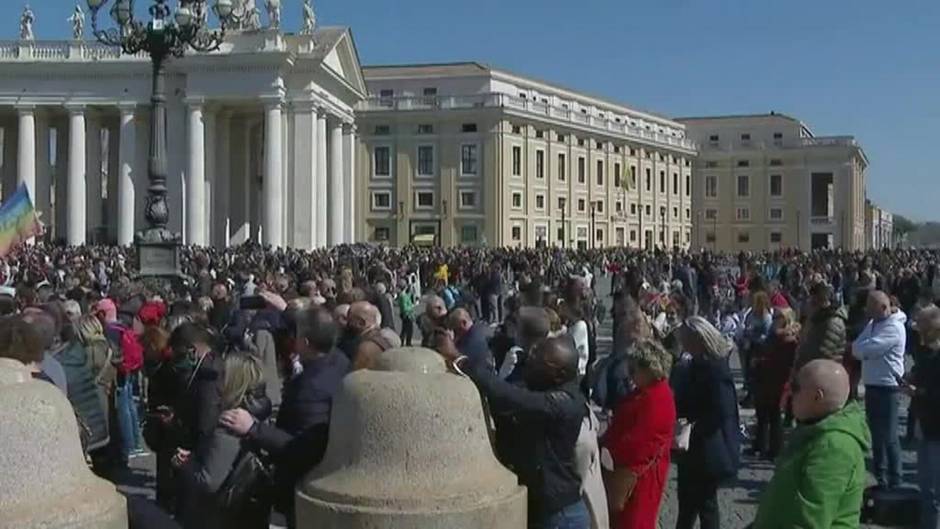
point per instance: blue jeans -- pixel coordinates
(574, 516)
(881, 408)
(928, 477)
(127, 417)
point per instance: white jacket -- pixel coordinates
(587, 460)
(881, 347)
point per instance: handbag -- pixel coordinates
(682, 436)
(621, 481)
(248, 478)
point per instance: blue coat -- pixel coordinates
(709, 401)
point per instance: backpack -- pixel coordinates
(609, 385)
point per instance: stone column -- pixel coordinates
(195, 220)
(114, 176)
(273, 193)
(349, 179)
(211, 236)
(223, 178)
(76, 176)
(93, 200)
(304, 161)
(126, 193)
(321, 179)
(61, 178)
(26, 152)
(337, 217)
(43, 197)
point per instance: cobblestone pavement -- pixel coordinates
(737, 503)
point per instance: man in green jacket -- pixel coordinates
(820, 476)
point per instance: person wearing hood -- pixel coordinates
(880, 347)
(820, 478)
(824, 334)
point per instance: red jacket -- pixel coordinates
(640, 437)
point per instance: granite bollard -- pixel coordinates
(44, 481)
(409, 448)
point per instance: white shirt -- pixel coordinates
(579, 333)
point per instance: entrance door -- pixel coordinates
(821, 241)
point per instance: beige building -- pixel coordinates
(766, 182)
(468, 154)
(879, 227)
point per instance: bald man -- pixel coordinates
(820, 478)
(548, 413)
(364, 322)
(880, 348)
(434, 317)
(470, 337)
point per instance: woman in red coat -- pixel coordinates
(640, 437)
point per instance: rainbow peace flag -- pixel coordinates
(18, 220)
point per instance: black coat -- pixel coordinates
(927, 382)
(709, 401)
(548, 423)
(200, 404)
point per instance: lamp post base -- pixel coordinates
(158, 253)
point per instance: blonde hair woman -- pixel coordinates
(100, 356)
(773, 364)
(215, 456)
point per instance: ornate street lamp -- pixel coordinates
(166, 35)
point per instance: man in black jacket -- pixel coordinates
(549, 411)
(298, 441)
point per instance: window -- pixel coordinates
(386, 93)
(539, 134)
(745, 137)
(744, 186)
(382, 130)
(776, 214)
(517, 160)
(744, 237)
(562, 202)
(710, 237)
(580, 142)
(776, 185)
(381, 162)
(649, 210)
(582, 205)
(711, 214)
(425, 129)
(632, 177)
(743, 214)
(541, 233)
(468, 199)
(778, 135)
(540, 164)
(382, 200)
(429, 92)
(381, 234)
(516, 129)
(776, 237)
(776, 162)
(632, 151)
(675, 213)
(426, 160)
(561, 235)
(688, 185)
(662, 181)
(711, 186)
(561, 138)
(649, 180)
(599, 235)
(662, 157)
(581, 165)
(675, 183)
(600, 145)
(711, 164)
(562, 167)
(599, 206)
(713, 138)
(540, 202)
(517, 233)
(386, 98)
(662, 213)
(468, 233)
(744, 163)
(633, 209)
(424, 199)
(688, 214)
(469, 127)
(617, 182)
(617, 147)
(517, 200)
(619, 207)
(468, 159)
(600, 173)
(632, 235)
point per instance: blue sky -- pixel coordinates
(863, 67)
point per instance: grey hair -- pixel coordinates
(716, 346)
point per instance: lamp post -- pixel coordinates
(166, 35)
(662, 227)
(593, 229)
(564, 229)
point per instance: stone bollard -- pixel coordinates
(409, 448)
(44, 481)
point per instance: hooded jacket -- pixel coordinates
(880, 347)
(820, 477)
(824, 337)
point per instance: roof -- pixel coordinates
(770, 114)
(471, 68)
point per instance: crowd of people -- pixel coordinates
(227, 374)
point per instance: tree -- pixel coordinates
(904, 225)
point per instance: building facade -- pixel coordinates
(879, 227)
(465, 154)
(261, 138)
(766, 182)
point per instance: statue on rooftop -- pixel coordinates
(78, 23)
(274, 13)
(310, 19)
(26, 23)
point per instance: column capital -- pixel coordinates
(128, 107)
(322, 112)
(195, 102)
(74, 108)
(25, 108)
(272, 101)
(349, 128)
